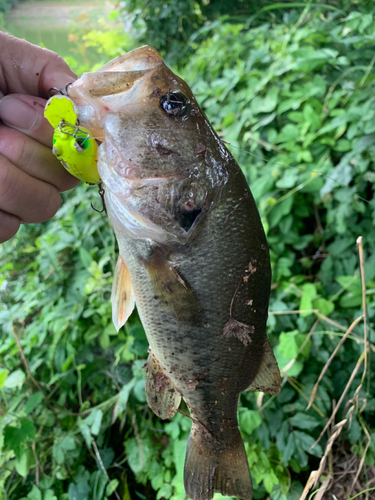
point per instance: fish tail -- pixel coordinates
(211, 468)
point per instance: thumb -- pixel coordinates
(28, 69)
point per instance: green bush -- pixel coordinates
(295, 100)
(6, 5)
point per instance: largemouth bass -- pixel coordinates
(193, 256)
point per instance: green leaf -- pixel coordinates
(60, 447)
(46, 482)
(311, 117)
(294, 369)
(49, 495)
(33, 402)
(99, 481)
(350, 300)
(79, 491)
(85, 257)
(266, 104)
(289, 133)
(249, 420)
(324, 306)
(303, 421)
(287, 104)
(85, 431)
(94, 420)
(270, 480)
(179, 451)
(173, 429)
(24, 463)
(288, 346)
(35, 494)
(305, 441)
(111, 487)
(124, 396)
(288, 451)
(14, 437)
(308, 295)
(164, 492)
(279, 210)
(139, 453)
(261, 186)
(3, 377)
(288, 179)
(104, 340)
(15, 380)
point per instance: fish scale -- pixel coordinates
(193, 255)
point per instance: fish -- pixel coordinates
(193, 256)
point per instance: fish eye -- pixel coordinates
(175, 104)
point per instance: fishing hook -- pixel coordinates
(59, 91)
(101, 193)
(66, 88)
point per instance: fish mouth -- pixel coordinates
(117, 83)
(120, 74)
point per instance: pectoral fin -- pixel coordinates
(122, 295)
(162, 397)
(172, 291)
(268, 378)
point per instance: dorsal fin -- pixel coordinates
(122, 297)
(268, 378)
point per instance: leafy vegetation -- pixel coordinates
(6, 5)
(294, 96)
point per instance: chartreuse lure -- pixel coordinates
(73, 145)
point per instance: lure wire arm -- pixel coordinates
(76, 129)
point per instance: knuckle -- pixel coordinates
(7, 180)
(13, 146)
(52, 203)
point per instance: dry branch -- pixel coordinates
(99, 458)
(325, 368)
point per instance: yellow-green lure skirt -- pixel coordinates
(73, 145)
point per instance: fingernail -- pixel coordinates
(17, 114)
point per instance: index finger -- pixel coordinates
(29, 69)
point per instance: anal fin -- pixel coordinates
(268, 378)
(162, 397)
(122, 297)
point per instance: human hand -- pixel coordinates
(30, 175)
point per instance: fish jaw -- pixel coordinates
(129, 102)
(124, 82)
